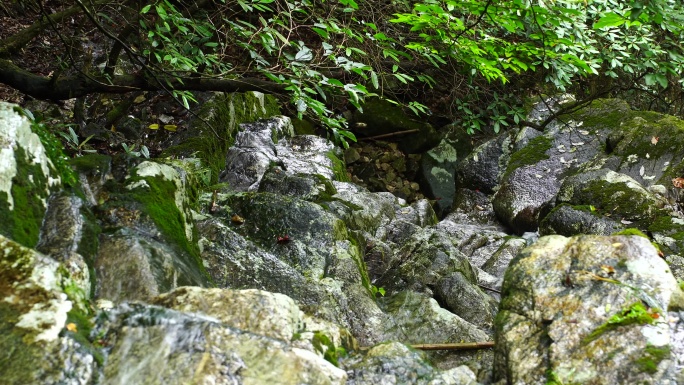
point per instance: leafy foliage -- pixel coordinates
(474, 61)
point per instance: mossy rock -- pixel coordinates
(27, 178)
(569, 220)
(211, 135)
(535, 151)
(612, 194)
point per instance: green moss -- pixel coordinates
(651, 357)
(635, 313)
(534, 152)
(324, 344)
(339, 167)
(158, 203)
(22, 222)
(620, 199)
(632, 231)
(54, 150)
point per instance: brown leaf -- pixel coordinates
(678, 182)
(238, 220)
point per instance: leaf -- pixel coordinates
(374, 80)
(654, 140)
(304, 54)
(153, 126)
(71, 327)
(611, 19)
(170, 127)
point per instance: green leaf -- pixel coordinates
(374, 80)
(610, 20)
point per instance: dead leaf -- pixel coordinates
(654, 140)
(238, 220)
(71, 327)
(610, 270)
(139, 99)
(678, 182)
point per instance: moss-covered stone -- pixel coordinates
(27, 178)
(210, 137)
(534, 152)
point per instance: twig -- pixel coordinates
(453, 346)
(456, 346)
(489, 288)
(390, 134)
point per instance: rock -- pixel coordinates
(532, 180)
(472, 207)
(368, 211)
(253, 153)
(313, 155)
(147, 213)
(151, 344)
(497, 264)
(210, 135)
(483, 167)
(400, 365)
(610, 193)
(33, 314)
(587, 309)
(437, 171)
(569, 220)
(69, 234)
(27, 178)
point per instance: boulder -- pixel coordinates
(39, 346)
(589, 309)
(152, 344)
(27, 177)
(437, 173)
(611, 193)
(569, 220)
(145, 210)
(394, 363)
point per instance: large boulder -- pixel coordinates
(588, 309)
(213, 130)
(27, 177)
(149, 235)
(34, 315)
(254, 342)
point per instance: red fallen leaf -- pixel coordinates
(654, 315)
(678, 182)
(283, 239)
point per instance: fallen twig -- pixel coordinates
(391, 134)
(455, 346)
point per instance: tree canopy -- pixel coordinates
(472, 61)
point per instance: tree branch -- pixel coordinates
(62, 88)
(17, 41)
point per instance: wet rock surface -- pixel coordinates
(307, 264)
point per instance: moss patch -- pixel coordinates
(22, 222)
(339, 167)
(651, 357)
(54, 152)
(617, 199)
(534, 152)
